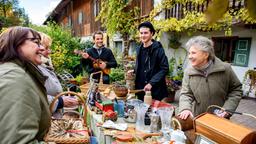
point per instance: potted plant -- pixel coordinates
(250, 80)
(80, 80)
(174, 79)
(117, 74)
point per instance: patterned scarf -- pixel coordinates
(204, 69)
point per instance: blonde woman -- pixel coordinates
(52, 83)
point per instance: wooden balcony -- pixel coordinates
(177, 11)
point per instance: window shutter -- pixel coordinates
(242, 52)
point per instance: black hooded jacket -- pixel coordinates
(155, 69)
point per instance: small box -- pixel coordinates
(105, 105)
(223, 131)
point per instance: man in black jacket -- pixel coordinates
(99, 52)
(151, 64)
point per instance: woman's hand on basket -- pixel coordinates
(70, 101)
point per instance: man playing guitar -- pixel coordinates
(99, 55)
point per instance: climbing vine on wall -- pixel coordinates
(118, 17)
(203, 21)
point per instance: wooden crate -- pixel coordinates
(223, 131)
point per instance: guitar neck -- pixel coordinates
(80, 52)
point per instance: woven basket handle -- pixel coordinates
(67, 93)
(101, 76)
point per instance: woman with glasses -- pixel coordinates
(24, 109)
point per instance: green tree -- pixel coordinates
(117, 16)
(63, 46)
(11, 14)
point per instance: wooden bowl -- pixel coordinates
(120, 91)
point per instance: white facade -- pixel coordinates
(237, 31)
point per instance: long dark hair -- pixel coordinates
(10, 41)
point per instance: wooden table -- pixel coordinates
(104, 136)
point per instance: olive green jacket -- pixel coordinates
(220, 87)
(24, 110)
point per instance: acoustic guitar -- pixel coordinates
(96, 62)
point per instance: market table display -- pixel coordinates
(108, 136)
(137, 121)
(142, 119)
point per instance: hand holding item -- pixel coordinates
(185, 114)
(148, 87)
(85, 55)
(70, 102)
(130, 72)
(221, 113)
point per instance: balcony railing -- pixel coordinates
(177, 10)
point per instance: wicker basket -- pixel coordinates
(69, 140)
(84, 88)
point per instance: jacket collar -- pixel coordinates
(154, 46)
(217, 66)
(33, 70)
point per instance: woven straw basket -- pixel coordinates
(69, 140)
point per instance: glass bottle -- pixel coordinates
(148, 98)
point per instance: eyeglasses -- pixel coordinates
(35, 40)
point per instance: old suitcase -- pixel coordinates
(223, 131)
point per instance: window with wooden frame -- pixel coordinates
(80, 17)
(69, 21)
(96, 7)
(242, 52)
(233, 50)
(119, 46)
(133, 46)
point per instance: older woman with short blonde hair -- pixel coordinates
(52, 83)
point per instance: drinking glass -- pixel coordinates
(165, 116)
(141, 110)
